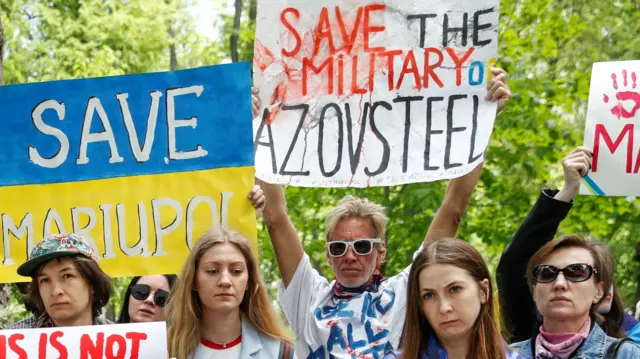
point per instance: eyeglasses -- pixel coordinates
(579, 272)
(142, 291)
(361, 247)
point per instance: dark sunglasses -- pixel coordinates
(579, 272)
(142, 291)
(361, 247)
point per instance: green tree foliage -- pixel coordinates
(546, 46)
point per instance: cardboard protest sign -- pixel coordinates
(613, 130)
(140, 165)
(372, 93)
(123, 341)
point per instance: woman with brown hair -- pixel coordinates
(520, 318)
(220, 307)
(565, 281)
(450, 311)
(67, 287)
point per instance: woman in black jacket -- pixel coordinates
(519, 314)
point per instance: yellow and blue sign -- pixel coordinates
(141, 165)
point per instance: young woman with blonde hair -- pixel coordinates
(220, 307)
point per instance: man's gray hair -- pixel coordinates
(355, 207)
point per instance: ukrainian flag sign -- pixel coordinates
(140, 165)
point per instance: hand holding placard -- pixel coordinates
(576, 165)
(498, 90)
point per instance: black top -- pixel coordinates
(518, 309)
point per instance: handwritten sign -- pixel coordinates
(123, 341)
(613, 130)
(372, 93)
(140, 165)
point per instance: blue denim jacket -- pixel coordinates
(634, 333)
(594, 347)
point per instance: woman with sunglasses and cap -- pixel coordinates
(146, 298)
(564, 278)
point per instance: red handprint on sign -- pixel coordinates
(625, 94)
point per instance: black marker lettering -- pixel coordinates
(450, 131)
(407, 127)
(429, 133)
(354, 156)
(270, 144)
(384, 163)
(423, 24)
(321, 139)
(446, 30)
(474, 130)
(305, 110)
(477, 27)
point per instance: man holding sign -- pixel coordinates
(360, 312)
(367, 94)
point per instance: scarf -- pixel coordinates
(342, 292)
(560, 345)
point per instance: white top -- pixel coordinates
(365, 326)
(205, 352)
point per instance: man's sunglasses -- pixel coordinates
(361, 247)
(142, 291)
(579, 272)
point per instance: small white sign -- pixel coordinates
(122, 341)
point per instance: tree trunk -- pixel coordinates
(173, 58)
(235, 34)
(5, 289)
(253, 11)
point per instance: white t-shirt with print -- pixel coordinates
(204, 352)
(362, 327)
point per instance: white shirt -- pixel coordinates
(365, 326)
(205, 352)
